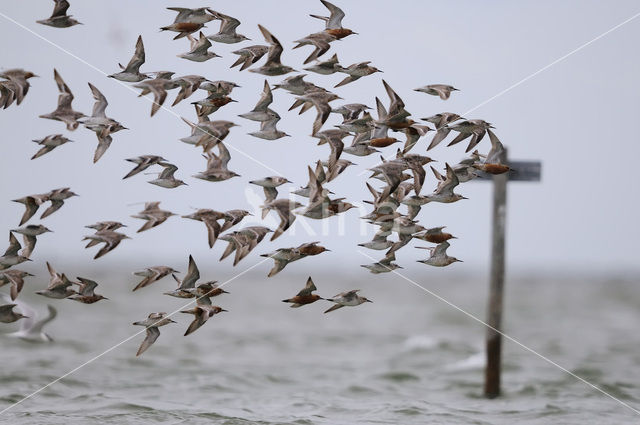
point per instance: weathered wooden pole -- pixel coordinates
(528, 171)
(496, 286)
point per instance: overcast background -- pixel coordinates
(578, 117)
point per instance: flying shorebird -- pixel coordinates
(350, 298)
(243, 242)
(110, 238)
(334, 21)
(31, 203)
(188, 21)
(49, 143)
(379, 242)
(86, 294)
(64, 111)
(442, 90)
(338, 168)
(131, 73)
(319, 40)
(284, 208)
(29, 234)
(227, 33)
(261, 111)
(217, 166)
(212, 103)
(233, 217)
(205, 291)
(269, 184)
(413, 134)
(268, 130)
(16, 86)
(101, 124)
(59, 17)
(272, 66)
(16, 279)
(187, 283)
(166, 178)
(11, 257)
(207, 134)
(434, 235)
(202, 313)
(249, 55)
(356, 71)
(158, 86)
(152, 323)
(106, 225)
(320, 177)
(210, 219)
(442, 119)
(142, 163)
(59, 285)
(444, 192)
(305, 296)
(298, 86)
(188, 85)
(438, 257)
(492, 164)
(320, 100)
(328, 67)
(153, 215)
(284, 256)
(383, 266)
(7, 315)
(153, 274)
(476, 129)
(31, 326)
(199, 50)
(57, 198)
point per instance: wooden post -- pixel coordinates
(524, 171)
(496, 286)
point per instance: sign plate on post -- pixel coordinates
(524, 171)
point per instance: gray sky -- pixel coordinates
(582, 216)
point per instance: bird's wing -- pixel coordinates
(496, 153)
(88, 286)
(266, 99)
(335, 307)
(168, 170)
(213, 230)
(192, 276)
(228, 24)
(152, 334)
(275, 50)
(101, 103)
(60, 8)
(335, 19)
(309, 288)
(37, 326)
(440, 250)
(277, 267)
(138, 57)
(201, 317)
(14, 246)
